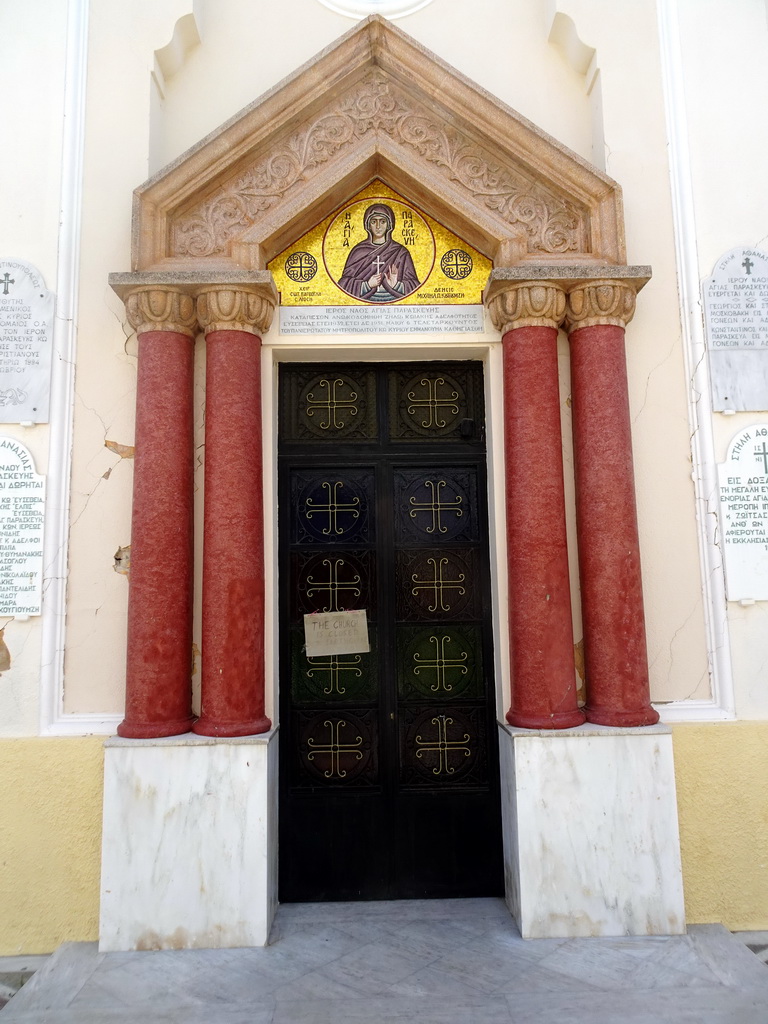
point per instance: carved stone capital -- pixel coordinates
(161, 308)
(235, 308)
(527, 304)
(593, 303)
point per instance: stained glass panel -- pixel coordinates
(332, 679)
(442, 662)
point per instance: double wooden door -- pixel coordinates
(389, 763)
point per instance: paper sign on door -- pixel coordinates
(336, 633)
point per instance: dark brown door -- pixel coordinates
(389, 764)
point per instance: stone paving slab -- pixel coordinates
(432, 961)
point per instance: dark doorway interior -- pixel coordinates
(389, 762)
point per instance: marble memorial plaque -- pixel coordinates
(22, 518)
(336, 633)
(380, 319)
(743, 481)
(26, 333)
(736, 320)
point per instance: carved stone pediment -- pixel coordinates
(376, 104)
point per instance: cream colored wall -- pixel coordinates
(260, 44)
(724, 49)
(30, 182)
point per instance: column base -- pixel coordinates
(154, 730)
(601, 803)
(211, 727)
(561, 720)
(189, 848)
(623, 719)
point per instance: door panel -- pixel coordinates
(389, 776)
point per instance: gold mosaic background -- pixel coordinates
(450, 271)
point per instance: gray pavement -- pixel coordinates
(432, 961)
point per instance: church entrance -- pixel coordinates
(389, 784)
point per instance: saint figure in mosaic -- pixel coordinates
(379, 269)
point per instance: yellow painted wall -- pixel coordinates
(50, 842)
(721, 771)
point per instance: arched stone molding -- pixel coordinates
(376, 104)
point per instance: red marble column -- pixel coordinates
(615, 654)
(158, 698)
(542, 667)
(233, 545)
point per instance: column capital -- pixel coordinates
(161, 308)
(534, 303)
(599, 302)
(225, 307)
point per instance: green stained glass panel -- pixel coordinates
(332, 679)
(439, 663)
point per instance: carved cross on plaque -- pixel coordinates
(748, 264)
(762, 453)
(6, 281)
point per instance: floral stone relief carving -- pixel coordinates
(551, 223)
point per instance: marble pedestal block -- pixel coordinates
(189, 850)
(591, 842)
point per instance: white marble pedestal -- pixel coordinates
(591, 842)
(189, 850)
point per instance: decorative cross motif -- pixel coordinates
(333, 585)
(6, 281)
(443, 746)
(748, 264)
(301, 266)
(436, 507)
(762, 454)
(456, 264)
(438, 584)
(333, 507)
(335, 747)
(334, 666)
(433, 403)
(440, 663)
(378, 263)
(332, 404)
